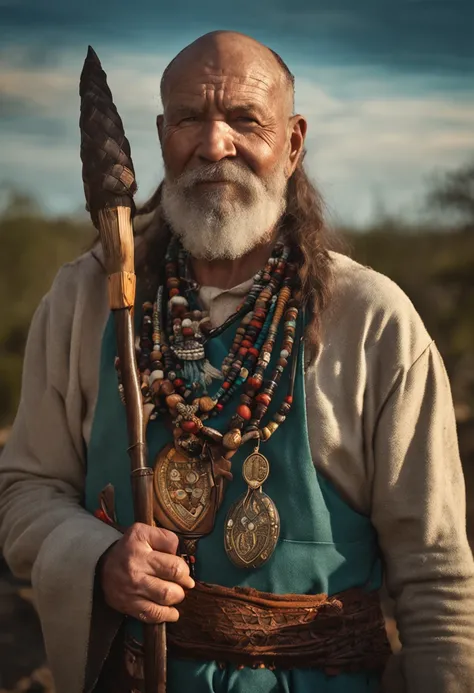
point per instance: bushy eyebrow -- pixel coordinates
(183, 110)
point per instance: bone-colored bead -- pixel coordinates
(232, 439)
(156, 375)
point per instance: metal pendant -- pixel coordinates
(184, 491)
(252, 525)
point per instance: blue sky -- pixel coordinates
(387, 87)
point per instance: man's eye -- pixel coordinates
(246, 119)
(188, 119)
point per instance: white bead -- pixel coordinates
(266, 357)
(244, 373)
(156, 375)
(284, 354)
(178, 301)
(156, 347)
(186, 322)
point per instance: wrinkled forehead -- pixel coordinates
(239, 73)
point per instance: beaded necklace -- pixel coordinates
(175, 376)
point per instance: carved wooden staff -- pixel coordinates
(109, 185)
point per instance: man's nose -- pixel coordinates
(216, 141)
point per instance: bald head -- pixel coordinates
(219, 51)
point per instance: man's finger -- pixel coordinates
(157, 538)
(149, 612)
(159, 591)
(172, 568)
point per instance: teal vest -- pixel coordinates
(324, 545)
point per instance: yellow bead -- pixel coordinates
(265, 433)
(206, 404)
(272, 426)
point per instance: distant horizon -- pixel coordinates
(387, 91)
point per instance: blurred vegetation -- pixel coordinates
(434, 265)
(32, 248)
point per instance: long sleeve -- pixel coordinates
(45, 533)
(418, 509)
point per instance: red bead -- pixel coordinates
(189, 426)
(178, 382)
(219, 406)
(254, 383)
(289, 399)
(174, 292)
(246, 343)
(242, 351)
(263, 398)
(244, 412)
(253, 351)
(256, 323)
(101, 515)
(226, 385)
(188, 332)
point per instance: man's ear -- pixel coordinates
(159, 126)
(298, 127)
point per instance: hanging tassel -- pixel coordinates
(200, 372)
(188, 373)
(211, 373)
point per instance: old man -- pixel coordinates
(291, 473)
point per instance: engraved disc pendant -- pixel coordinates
(252, 525)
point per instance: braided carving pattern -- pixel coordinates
(107, 168)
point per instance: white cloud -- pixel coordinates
(364, 138)
(366, 147)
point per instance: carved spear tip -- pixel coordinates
(92, 55)
(107, 172)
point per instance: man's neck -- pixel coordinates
(224, 274)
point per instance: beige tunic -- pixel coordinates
(381, 428)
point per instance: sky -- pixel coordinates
(386, 86)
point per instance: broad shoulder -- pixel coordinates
(365, 286)
(78, 291)
(79, 275)
(372, 309)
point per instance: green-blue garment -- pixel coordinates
(324, 546)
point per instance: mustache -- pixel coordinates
(229, 171)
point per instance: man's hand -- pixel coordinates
(141, 576)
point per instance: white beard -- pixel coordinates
(228, 221)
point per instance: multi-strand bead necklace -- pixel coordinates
(171, 348)
(175, 377)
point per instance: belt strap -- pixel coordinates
(341, 633)
(344, 632)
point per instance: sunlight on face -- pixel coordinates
(225, 141)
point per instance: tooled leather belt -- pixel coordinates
(341, 633)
